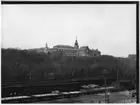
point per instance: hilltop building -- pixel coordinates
(68, 50)
(132, 56)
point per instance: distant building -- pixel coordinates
(73, 51)
(132, 56)
(68, 50)
(38, 50)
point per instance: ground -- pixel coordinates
(117, 97)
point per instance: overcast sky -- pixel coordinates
(108, 28)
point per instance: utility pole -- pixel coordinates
(105, 88)
(85, 68)
(118, 79)
(133, 80)
(72, 54)
(105, 72)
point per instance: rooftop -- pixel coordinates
(63, 46)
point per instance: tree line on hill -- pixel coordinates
(26, 67)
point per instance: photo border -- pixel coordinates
(96, 2)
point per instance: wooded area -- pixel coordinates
(23, 66)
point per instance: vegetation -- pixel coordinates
(26, 67)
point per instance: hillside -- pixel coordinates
(23, 66)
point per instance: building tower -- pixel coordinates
(76, 46)
(46, 47)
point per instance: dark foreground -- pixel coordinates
(116, 97)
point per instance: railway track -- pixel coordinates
(53, 96)
(18, 89)
(52, 82)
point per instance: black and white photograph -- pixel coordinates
(69, 52)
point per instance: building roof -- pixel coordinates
(133, 56)
(84, 48)
(34, 49)
(63, 46)
(37, 49)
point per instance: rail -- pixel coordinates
(52, 82)
(53, 96)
